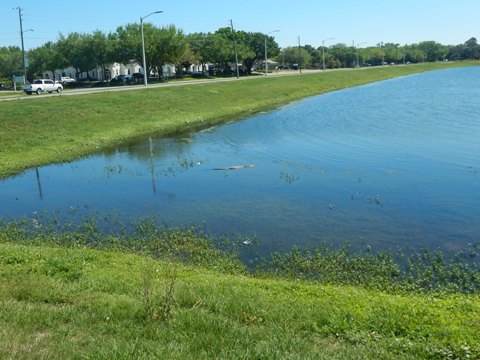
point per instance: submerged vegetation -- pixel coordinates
(422, 271)
(75, 292)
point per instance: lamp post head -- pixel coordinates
(154, 12)
(323, 41)
(271, 32)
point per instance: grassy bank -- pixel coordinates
(80, 303)
(47, 130)
(177, 294)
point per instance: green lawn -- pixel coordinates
(47, 130)
(79, 303)
(9, 93)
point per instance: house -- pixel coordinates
(110, 72)
(272, 65)
(98, 74)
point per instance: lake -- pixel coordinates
(393, 164)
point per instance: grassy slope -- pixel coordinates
(45, 130)
(58, 303)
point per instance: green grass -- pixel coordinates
(48, 130)
(173, 294)
(78, 303)
(8, 93)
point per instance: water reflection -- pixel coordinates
(393, 164)
(39, 184)
(152, 166)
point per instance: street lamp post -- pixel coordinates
(323, 51)
(145, 75)
(266, 61)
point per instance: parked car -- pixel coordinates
(138, 76)
(124, 78)
(41, 85)
(67, 80)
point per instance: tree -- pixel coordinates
(169, 45)
(316, 58)
(456, 52)
(203, 46)
(375, 55)
(345, 55)
(218, 47)
(10, 61)
(103, 50)
(187, 59)
(76, 49)
(471, 49)
(45, 57)
(224, 46)
(432, 51)
(293, 56)
(162, 45)
(390, 53)
(128, 44)
(255, 44)
(413, 54)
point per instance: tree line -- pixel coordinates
(170, 45)
(163, 45)
(342, 55)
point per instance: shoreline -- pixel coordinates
(48, 130)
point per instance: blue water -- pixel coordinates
(393, 164)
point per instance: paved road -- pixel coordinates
(20, 96)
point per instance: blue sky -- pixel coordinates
(363, 21)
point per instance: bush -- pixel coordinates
(5, 84)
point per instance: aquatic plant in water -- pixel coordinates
(425, 270)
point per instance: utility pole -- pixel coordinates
(383, 54)
(235, 45)
(299, 64)
(23, 48)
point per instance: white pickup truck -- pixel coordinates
(41, 85)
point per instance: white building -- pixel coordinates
(110, 72)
